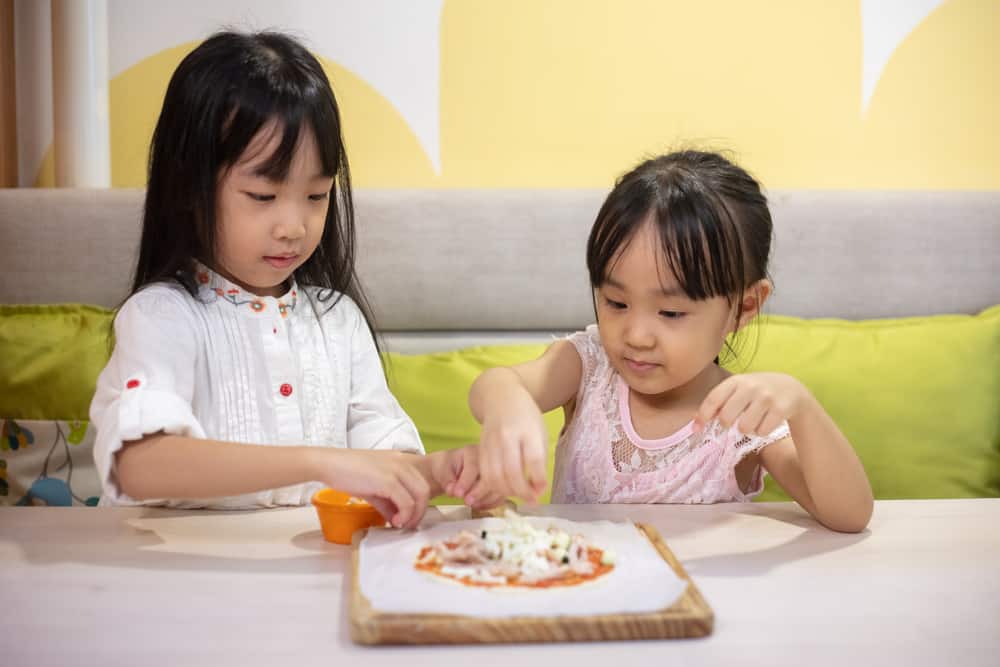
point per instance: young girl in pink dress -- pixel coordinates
(678, 262)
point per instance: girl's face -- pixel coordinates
(267, 229)
(662, 343)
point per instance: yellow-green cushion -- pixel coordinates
(919, 397)
(50, 357)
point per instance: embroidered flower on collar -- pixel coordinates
(236, 295)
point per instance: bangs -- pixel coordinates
(700, 242)
(699, 239)
(288, 113)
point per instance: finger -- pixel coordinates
(489, 501)
(419, 490)
(480, 490)
(534, 454)
(769, 423)
(749, 421)
(734, 406)
(710, 407)
(489, 462)
(513, 472)
(403, 501)
(498, 480)
(383, 506)
(468, 475)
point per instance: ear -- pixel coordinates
(753, 300)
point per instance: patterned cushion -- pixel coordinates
(47, 463)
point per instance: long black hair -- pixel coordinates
(219, 97)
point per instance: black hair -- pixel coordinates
(711, 217)
(220, 96)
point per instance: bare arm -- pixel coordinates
(509, 403)
(817, 465)
(819, 469)
(173, 466)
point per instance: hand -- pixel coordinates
(456, 472)
(756, 403)
(513, 453)
(391, 481)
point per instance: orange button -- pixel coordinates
(286, 389)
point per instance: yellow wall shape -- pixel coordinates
(569, 94)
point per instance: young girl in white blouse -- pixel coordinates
(244, 371)
(678, 260)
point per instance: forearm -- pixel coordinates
(833, 474)
(497, 389)
(171, 466)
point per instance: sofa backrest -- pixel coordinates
(465, 266)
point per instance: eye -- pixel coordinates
(259, 196)
(671, 314)
(319, 196)
(616, 305)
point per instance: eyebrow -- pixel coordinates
(256, 172)
(673, 291)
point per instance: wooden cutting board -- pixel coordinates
(689, 616)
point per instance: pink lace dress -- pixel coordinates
(601, 459)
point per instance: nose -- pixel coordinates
(290, 223)
(637, 333)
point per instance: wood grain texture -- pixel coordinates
(8, 100)
(689, 616)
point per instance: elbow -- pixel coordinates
(129, 475)
(854, 521)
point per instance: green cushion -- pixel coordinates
(919, 397)
(50, 357)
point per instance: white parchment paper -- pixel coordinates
(641, 580)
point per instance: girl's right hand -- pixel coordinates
(389, 480)
(514, 449)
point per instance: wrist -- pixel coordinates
(426, 465)
(320, 465)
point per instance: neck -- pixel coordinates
(688, 395)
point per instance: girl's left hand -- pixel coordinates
(756, 403)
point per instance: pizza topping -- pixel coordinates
(517, 553)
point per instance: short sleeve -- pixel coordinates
(588, 346)
(375, 420)
(148, 384)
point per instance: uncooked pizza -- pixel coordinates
(516, 554)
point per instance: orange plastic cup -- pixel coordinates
(339, 518)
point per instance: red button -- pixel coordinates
(286, 390)
(132, 384)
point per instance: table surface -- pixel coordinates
(162, 587)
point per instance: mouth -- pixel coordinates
(281, 261)
(638, 366)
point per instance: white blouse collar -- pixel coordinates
(212, 285)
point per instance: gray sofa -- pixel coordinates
(448, 268)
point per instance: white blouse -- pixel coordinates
(231, 365)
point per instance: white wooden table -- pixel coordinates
(156, 587)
